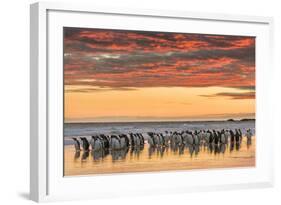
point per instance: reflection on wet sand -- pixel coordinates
(159, 158)
(120, 154)
(249, 142)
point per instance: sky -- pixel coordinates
(115, 75)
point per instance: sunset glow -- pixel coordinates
(113, 75)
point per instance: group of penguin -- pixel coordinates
(193, 138)
(201, 137)
(113, 142)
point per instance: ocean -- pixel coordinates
(89, 129)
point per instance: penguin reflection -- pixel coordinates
(231, 146)
(174, 147)
(181, 149)
(210, 148)
(237, 146)
(222, 148)
(135, 151)
(76, 155)
(99, 154)
(216, 149)
(124, 152)
(190, 149)
(160, 151)
(119, 154)
(151, 151)
(249, 142)
(85, 155)
(196, 149)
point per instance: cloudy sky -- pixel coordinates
(113, 75)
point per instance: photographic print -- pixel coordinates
(149, 101)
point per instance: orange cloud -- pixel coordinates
(123, 59)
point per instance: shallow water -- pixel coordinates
(159, 159)
(89, 129)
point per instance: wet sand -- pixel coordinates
(148, 160)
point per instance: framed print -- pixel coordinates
(126, 97)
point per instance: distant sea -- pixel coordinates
(89, 129)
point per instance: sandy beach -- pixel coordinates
(147, 160)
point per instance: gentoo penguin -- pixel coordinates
(216, 137)
(232, 136)
(249, 134)
(85, 143)
(211, 138)
(127, 141)
(240, 132)
(115, 142)
(142, 139)
(151, 140)
(105, 141)
(76, 144)
(96, 143)
(132, 139)
(237, 136)
(240, 135)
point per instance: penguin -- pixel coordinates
(220, 136)
(237, 136)
(249, 135)
(240, 132)
(151, 141)
(211, 139)
(216, 137)
(196, 140)
(223, 139)
(85, 143)
(232, 136)
(141, 139)
(76, 144)
(240, 135)
(132, 139)
(105, 141)
(127, 140)
(97, 143)
(163, 139)
(115, 142)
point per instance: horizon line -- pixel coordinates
(169, 120)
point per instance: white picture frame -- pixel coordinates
(46, 180)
